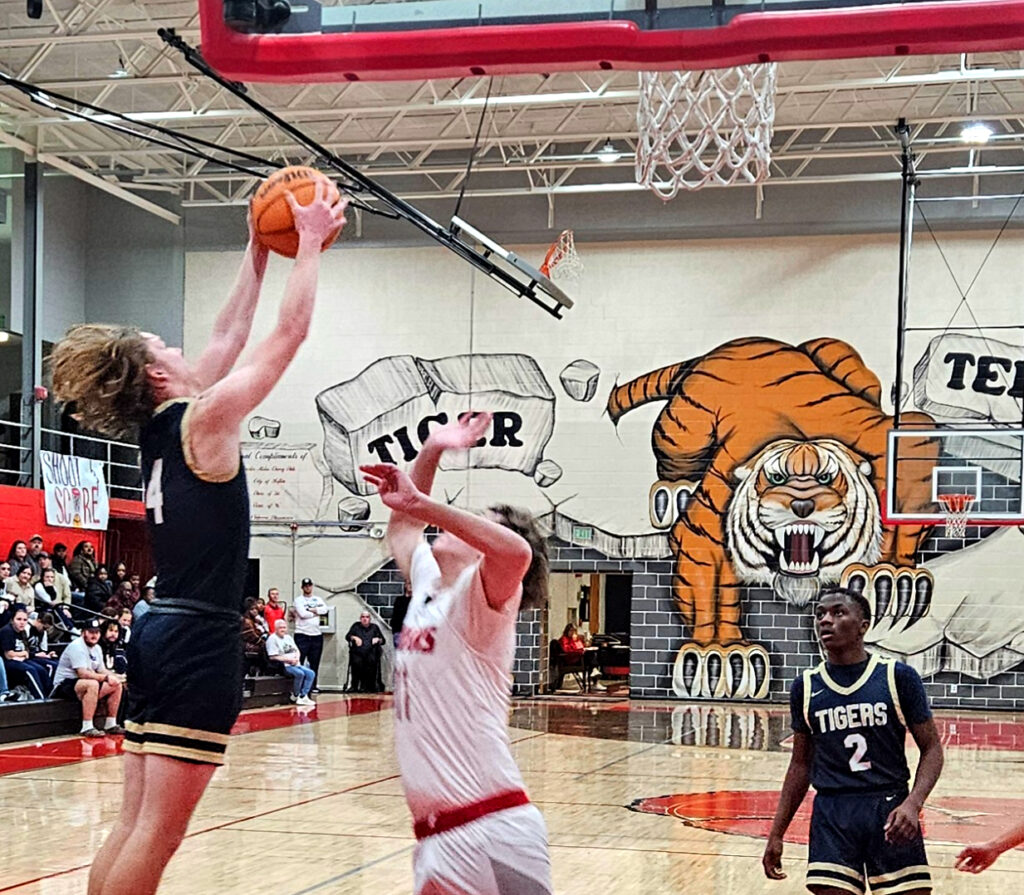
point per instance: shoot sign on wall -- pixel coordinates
(76, 491)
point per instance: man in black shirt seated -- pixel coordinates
(365, 642)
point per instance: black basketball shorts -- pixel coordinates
(185, 673)
(848, 851)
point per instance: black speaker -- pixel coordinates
(34, 8)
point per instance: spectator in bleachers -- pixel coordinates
(99, 590)
(113, 649)
(5, 570)
(136, 582)
(19, 664)
(19, 587)
(81, 675)
(60, 581)
(6, 606)
(125, 620)
(123, 595)
(56, 635)
(252, 637)
(120, 574)
(274, 609)
(83, 565)
(39, 645)
(281, 649)
(142, 607)
(16, 555)
(49, 599)
(365, 644)
(59, 554)
(260, 619)
(35, 550)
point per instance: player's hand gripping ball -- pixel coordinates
(271, 214)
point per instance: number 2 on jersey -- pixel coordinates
(859, 745)
(155, 492)
(402, 695)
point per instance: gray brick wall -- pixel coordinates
(657, 631)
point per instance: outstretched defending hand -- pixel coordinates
(318, 220)
(976, 858)
(461, 434)
(394, 486)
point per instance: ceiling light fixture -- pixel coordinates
(608, 154)
(977, 133)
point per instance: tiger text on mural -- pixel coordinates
(970, 377)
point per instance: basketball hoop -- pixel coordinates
(562, 262)
(957, 508)
(702, 128)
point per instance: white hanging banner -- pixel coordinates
(76, 491)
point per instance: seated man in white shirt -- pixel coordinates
(82, 675)
(281, 648)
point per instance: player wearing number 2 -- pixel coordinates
(185, 662)
(850, 717)
(478, 833)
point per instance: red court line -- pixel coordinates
(72, 750)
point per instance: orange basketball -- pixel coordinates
(272, 215)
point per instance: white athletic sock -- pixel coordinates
(109, 722)
(86, 724)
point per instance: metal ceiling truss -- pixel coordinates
(540, 134)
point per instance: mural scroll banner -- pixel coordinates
(75, 491)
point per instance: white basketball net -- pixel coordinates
(699, 128)
(563, 261)
(957, 508)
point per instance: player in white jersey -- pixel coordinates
(478, 833)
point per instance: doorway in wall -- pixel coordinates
(597, 606)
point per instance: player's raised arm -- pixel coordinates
(219, 410)
(794, 788)
(404, 531)
(507, 555)
(234, 322)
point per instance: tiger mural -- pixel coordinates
(775, 456)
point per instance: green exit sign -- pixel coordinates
(582, 533)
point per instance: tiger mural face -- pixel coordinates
(802, 512)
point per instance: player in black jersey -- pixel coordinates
(850, 718)
(185, 666)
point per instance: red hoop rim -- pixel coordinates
(987, 521)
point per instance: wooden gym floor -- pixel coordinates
(311, 802)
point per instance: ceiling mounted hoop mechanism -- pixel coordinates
(705, 128)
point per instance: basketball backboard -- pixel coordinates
(417, 39)
(927, 465)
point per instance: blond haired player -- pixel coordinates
(185, 662)
(478, 833)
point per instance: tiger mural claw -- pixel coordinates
(770, 459)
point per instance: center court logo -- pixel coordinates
(955, 820)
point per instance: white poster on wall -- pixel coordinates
(76, 491)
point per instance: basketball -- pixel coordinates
(272, 215)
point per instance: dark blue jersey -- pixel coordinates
(857, 717)
(199, 527)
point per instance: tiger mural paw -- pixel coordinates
(737, 671)
(900, 596)
(668, 501)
